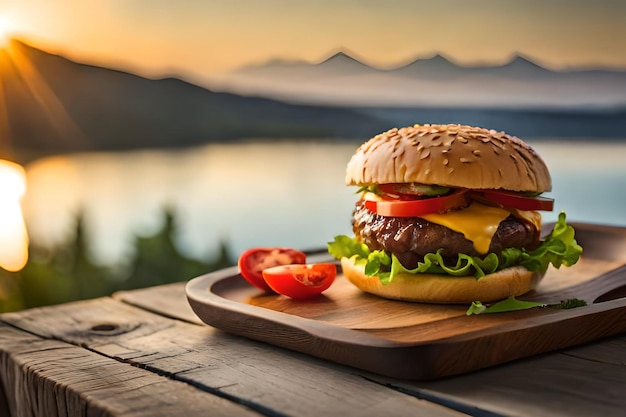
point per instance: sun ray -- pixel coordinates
(18, 68)
(22, 86)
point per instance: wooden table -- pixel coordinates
(145, 353)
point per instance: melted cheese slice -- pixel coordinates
(532, 217)
(479, 222)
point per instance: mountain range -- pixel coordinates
(342, 79)
(56, 105)
(52, 104)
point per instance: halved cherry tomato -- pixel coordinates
(300, 281)
(419, 207)
(515, 200)
(253, 261)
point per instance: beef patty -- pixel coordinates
(410, 238)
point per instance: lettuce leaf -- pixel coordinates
(558, 249)
(506, 305)
(513, 304)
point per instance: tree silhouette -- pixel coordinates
(66, 272)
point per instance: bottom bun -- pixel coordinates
(445, 289)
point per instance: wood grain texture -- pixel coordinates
(167, 300)
(563, 384)
(45, 377)
(268, 380)
(394, 338)
(581, 381)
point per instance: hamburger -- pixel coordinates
(450, 214)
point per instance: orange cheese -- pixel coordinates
(532, 217)
(479, 222)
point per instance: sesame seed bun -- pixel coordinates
(449, 155)
(445, 289)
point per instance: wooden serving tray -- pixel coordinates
(426, 341)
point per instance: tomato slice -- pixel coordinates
(253, 261)
(419, 207)
(516, 200)
(300, 281)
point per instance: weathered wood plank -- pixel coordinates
(43, 377)
(558, 384)
(611, 350)
(578, 381)
(542, 385)
(268, 379)
(167, 300)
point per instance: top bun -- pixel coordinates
(455, 156)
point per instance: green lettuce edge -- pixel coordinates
(558, 248)
(513, 304)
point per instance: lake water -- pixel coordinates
(260, 194)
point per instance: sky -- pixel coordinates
(203, 37)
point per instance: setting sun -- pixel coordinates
(13, 236)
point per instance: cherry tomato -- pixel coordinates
(516, 200)
(419, 207)
(253, 261)
(300, 281)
